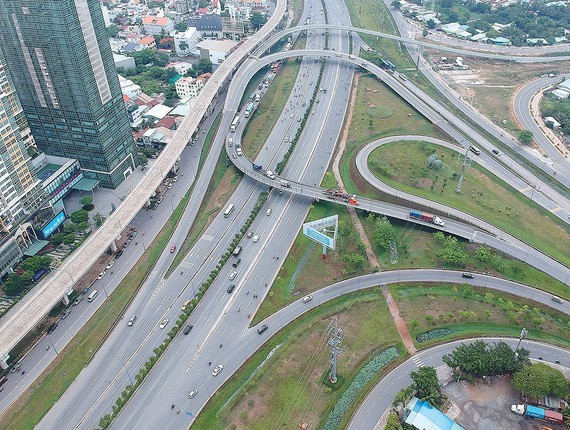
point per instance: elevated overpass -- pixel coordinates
(24, 317)
(465, 52)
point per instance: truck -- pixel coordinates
(269, 174)
(350, 198)
(234, 125)
(249, 110)
(257, 97)
(538, 413)
(285, 183)
(424, 216)
(257, 167)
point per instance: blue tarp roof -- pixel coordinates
(424, 416)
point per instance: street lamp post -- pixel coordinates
(523, 334)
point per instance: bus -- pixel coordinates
(249, 110)
(92, 296)
(229, 210)
(235, 123)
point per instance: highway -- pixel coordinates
(382, 396)
(522, 111)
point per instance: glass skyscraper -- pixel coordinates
(60, 61)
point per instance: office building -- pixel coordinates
(60, 61)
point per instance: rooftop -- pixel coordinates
(424, 416)
(156, 20)
(217, 45)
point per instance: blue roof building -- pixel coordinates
(424, 416)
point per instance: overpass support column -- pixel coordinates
(65, 300)
(114, 245)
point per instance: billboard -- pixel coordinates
(321, 231)
(53, 225)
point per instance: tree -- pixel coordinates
(69, 239)
(79, 216)
(183, 46)
(204, 66)
(257, 20)
(385, 234)
(425, 32)
(427, 385)
(453, 252)
(393, 422)
(57, 238)
(86, 200)
(431, 24)
(98, 218)
(150, 56)
(539, 380)
(141, 160)
(181, 26)
(355, 262)
(33, 264)
(526, 137)
(434, 162)
(112, 30)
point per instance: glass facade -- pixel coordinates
(59, 57)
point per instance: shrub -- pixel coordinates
(433, 334)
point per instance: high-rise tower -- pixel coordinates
(59, 57)
(20, 190)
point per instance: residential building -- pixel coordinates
(156, 113)
(188, 87)
(185, 42)
(147, 42)
(20, 189)
(561, 94)
(129, 88)
(67, 84)
(208, 26)
(182, 6)
(124, 62)
(157, 137)
(157, 25)
(181, 67)
(216, 50)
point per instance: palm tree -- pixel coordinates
(183, 46)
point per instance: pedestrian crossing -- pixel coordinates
(418, 361)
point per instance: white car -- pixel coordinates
(255, 238)
(217, 369)
(101, 275)
(193, 393)
(233, 274)
(111, 264)
(164, 323)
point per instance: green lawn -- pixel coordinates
(287, 389)
(468, 311)
(403, 166)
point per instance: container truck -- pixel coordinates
(424, 216)
(234, 125)
(538, 413)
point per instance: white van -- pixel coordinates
(230, 141)
(474, 150)
(92, 296)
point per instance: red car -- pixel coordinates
(173, 249)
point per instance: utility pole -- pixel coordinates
(336, 342)
(523, 334)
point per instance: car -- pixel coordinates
(233, 275)
(292, 115)
(175, 179)
(126, 244)
(255, 238)
(164, 323)
(262, 329)
(169, 186)
(299, 119)
(51, 328)
(313, 112)
(268, 212)
(185, 305)
(193, 393)
(65, 313)
(557, 299)
(495, 151)
(467, 275)
(172, 249)
(286, 139)
(188, 329)
(78, 300)
(101, 275)
(111, 264)
(119, 253)
(307, 299)
(217, 369)
(132, 320)
(249, 234)
(316, 101)
(231, 288)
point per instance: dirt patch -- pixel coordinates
(484, 406)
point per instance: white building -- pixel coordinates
(181, 67)
(123, 61)
(189, 38)
(561, 94)
(188, 87)
(555, 124)
(156, 24)
(216, 50)
(129, 88)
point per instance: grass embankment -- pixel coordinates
(466, 311)
(304, 270)
(403, 166)
(27, 411)
(287, 389)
